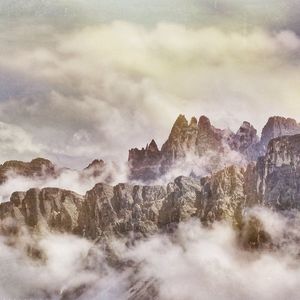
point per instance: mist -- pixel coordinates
(194, 262)
(114, 173)
(79, 181)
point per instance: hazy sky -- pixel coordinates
(90, 79)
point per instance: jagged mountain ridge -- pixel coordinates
(200, 137)
(38, 167)
(43, 169)
(195, 138)
(274, 181)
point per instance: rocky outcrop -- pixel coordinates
(279, 173)
(245, 141)
(197, 138)
(98, 170)
(181, 141)
(277, 127)
(209, 138)
(38, 167)
(145, 163)
(274, 181)
(186, 138)
(193, 137)
(124, 208)
(96, 167)
(47, 208)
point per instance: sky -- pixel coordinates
(91, 79)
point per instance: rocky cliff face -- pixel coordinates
(145, 163)
(186, 138)
(245, 141)
(274, 181)
(199, 137)
(47, 208)
(276, 127)
(124, 208)
(279, 173)
(193, 137)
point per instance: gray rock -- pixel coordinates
(38, 167)
(105, 210)
(277, 127)
(186, 138)
(279, 173)
(198, 138)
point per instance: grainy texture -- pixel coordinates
(117, 210)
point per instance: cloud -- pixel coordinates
(194, 262)
(53, 266)
(104, 89)
(208, 264)
(68, 179)
(193, 165)
(15, 141)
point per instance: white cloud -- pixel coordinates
(73, 180)
(62, 268)
(112, 87)
(15, 142)
(208, 264)
(194, 262)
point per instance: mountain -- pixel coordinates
(276, 127)
(245, 141)
(197, 138)
(38, 167)
(128, 213)
(145, 163)
(41, 168)
(124, 208)
(194, 139)
(274, 181)
(279, 173)
(186, 138)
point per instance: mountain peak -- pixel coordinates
(96, 163)
(193, 122)
(244, 140)
(181, 122)
(278, 126)
(204, 122)
(152, 146)
(277, 121)
(198, 137)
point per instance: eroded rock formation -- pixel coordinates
(117, 210)
(38, 167)
(197, 138)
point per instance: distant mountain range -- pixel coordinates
(271, 178)
(197, 138)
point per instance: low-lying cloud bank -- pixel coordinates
(113, 174)
(192, 263)
(79, 181)
(195, 166)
